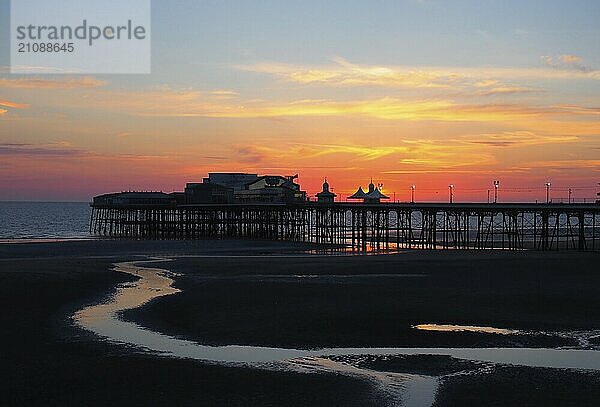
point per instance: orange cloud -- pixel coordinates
(570, 59)
(516, 138)
(13, 105)
(46, 83)
(170, 103)
(565, 127)
(565, 165)
(398, 109)
(3, 112)
(344, 153)
(366, 153)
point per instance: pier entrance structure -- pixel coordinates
(361, 226)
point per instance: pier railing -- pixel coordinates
(364, 226)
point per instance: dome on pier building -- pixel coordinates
(371, 186)
(326, 196)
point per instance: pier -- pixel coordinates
(362, 226)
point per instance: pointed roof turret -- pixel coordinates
(359, 194)
(376, 194)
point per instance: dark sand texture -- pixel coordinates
(48, 361)
(520, 386)
(375, 300)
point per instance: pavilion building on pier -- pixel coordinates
(373, 196)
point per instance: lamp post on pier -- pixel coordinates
(451, 187)
(496, 186)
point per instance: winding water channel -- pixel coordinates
(104, 320)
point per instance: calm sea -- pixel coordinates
(44, 220)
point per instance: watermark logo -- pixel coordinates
(80, 36)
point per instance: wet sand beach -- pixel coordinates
(320, 301)
(306, 302)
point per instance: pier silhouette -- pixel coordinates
(362, 226)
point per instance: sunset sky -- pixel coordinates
(427, 92)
